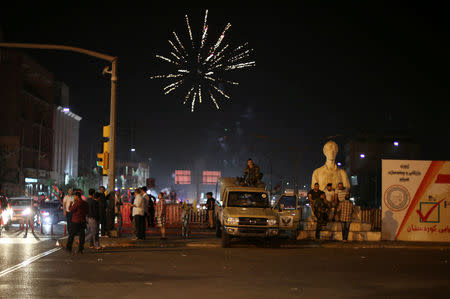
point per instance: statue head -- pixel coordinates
(330, 150)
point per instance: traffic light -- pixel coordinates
(104, 155)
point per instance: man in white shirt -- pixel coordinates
(67, 202)
(330, 196)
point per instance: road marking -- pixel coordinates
(28, 261)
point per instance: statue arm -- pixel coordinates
(345, 180)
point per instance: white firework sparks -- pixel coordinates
(202, 69)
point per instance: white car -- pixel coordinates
(22, 208)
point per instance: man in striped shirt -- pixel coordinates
(345, 209)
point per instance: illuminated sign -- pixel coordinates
(211, 177)
(183, 177)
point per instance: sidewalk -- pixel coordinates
(207, 239)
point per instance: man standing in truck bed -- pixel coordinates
(252, 174)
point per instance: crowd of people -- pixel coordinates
(96, 215)
(331, 206)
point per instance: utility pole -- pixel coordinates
(113, 72)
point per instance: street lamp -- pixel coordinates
(396, 143)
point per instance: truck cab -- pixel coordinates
(243, 212)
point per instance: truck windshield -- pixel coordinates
(21, 202)
(248, 199)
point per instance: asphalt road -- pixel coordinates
(247, 271)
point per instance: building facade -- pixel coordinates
(363, 157)
(26, 134)
(66, 145)
(38, 137)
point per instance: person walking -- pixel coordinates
(92, 220)
(345, 209)
(210, 205)
(79, 210)
(320, 209)
(138, 213)
(67, 202)
(160, 213)
(102, 207)
(146, 206)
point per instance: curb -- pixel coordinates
(216, 244)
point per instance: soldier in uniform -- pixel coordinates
(320, 208)
(252, 174)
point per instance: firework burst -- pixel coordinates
(200, 67)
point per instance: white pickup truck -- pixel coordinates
(243, 212)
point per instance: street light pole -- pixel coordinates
(112, 138)
(113, 60)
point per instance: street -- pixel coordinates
(244, 271)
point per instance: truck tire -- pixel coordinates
(226, 242)
(218, 230)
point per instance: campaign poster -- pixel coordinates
(415, 200)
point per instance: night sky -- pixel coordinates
(321, 70)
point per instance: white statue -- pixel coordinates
(330, 172)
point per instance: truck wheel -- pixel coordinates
(226, 242)
(218, 230)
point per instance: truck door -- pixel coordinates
(288, 213)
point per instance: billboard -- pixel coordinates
(211, 177)
(415, 200)
(182, 177)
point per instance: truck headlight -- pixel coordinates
(232, 220)
(26, 212)
(272, 221)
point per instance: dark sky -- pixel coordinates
(321, 70)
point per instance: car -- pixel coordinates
(51, 212)
(244, 212)
(22, 208)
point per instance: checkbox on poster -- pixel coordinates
(429, 212)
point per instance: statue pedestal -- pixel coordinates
(358, 231)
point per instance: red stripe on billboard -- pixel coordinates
(443, 179)
(432, 171)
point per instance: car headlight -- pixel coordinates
(272, 221)
(26, 212)
(45, 213)
(232, 220)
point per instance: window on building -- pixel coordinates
(182, 177)
(211, 177)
